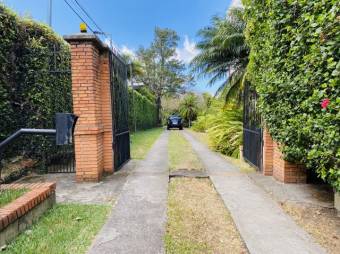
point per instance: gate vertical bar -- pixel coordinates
(120, 110)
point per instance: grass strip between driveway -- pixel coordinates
(181, 154)
(66, 228)
(9, 195)
(142, 141)
(198, 221)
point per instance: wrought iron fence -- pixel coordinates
(120, 110)
(252, 130)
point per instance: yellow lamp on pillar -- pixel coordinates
(83, 28)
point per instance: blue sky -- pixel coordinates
(131, 22)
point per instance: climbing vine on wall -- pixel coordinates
(295, 67)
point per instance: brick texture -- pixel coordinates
(92, 103)
(267, 153)
(22, 205)
(275, 165)
(106, 113)
(285, 171)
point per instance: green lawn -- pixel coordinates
(181, 154)
(141, 142)
(7, 196)
(66, 228)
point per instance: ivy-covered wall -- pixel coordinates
(30, 91)
(142, 110)
(294, 65)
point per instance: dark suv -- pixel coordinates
(175, 122)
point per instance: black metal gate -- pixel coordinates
(60, 159)
(252, 131)
(120, 110)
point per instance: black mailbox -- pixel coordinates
(65, 123)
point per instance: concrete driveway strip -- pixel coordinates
(137, 223)
(263, 225)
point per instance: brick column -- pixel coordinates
(267, 153)
(106, 112)
(285, 171)
(92, 103)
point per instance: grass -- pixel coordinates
(8, 195)
(66, 228)
(198, 221)
(181, 154)
(142, 141)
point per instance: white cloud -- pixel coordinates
(124, 50)
(188, 51)
(127, 51)
(236, 3)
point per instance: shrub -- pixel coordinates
(225, 131)
(30, 94)
(141, 108)
(224, 127)
(294, 65)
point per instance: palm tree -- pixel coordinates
(189, 108)
(224, 54)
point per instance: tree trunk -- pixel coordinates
(159, 105)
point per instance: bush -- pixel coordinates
(30, 94)
(143, 109)
(224, 127)
(294, 65)
(225, 132)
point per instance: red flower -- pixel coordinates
(325, 103)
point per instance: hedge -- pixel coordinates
(294, 65)
(143, 109)
(30, 93)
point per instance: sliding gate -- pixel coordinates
(120, 110)
(252, 131)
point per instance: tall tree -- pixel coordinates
(189, 108)
(224, 53)
(164, 74)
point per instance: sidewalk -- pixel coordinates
(263, 225)
(137, 223)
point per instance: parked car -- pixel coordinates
(175, 122)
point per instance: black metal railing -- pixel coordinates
(252, 130)
(120, 110)
(40, 147)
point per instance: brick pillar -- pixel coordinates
(92, 103)
(106, 112)
(267, 153)
(285, 171)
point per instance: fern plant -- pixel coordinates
(224, 127)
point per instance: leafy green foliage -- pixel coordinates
(224, 127)
(142, 111)
(188, 108)
(294, 65)
(30, 94)
(163, 73)
(224, 54)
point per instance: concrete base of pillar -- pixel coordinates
(337, 202)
